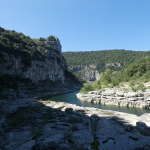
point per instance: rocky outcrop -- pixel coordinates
(113, 64)
(88, 75)
(59, 125)
(86, 72)
(77, 68)
(118, 97)
(55, 43)
(51, 69)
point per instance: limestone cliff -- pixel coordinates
(90, 73)
(51, 69)
(86, 72)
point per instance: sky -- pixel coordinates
(82, 25)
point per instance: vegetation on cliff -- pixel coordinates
(23, 46)
(27, 49)
(136, 73)
(103, 57)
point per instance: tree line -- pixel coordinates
(103, 57)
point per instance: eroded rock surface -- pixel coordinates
(118, 97)
(37, 125)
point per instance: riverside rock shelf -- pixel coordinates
(117, 97)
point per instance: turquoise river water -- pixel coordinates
(72, 99)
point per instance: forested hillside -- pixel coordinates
(136, 73)
(102, 57)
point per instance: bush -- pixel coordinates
(131, 83)
(88, 87)
(141, 87)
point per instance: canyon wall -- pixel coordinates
(89, 73)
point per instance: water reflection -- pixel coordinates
(72, 99)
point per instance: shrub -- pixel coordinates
(88, 87)
(131, 83)
(95, 144)
(141, 87)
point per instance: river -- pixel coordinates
(72, 99)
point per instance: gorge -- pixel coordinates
(33, 68)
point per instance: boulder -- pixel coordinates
(131, 94)
(92, 92)
(141, 125)
(146, 94)
(140, 94)
(119, 94)
(132, 99)
(108, 93)
(147, 99)
(119, 98)
(146, 117)
(68, 109)
(142, 128)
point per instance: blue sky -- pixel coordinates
(82, 25)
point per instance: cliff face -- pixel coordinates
(26, 62)
(77, 68)
(55, 43)
(86, 72)
(90, 73)
(51, 69)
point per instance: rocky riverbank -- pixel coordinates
(33, 124)
(37, 91)
(118, 96)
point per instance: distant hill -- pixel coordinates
(103, 57)
(86, 64)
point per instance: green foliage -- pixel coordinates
(19, 45)
(139, 87)
(139, 70)
(109, 78)
(42, 47)
(28, 49)
(96, 86)
(51, 38)
(42, 39)
(22, 46)
(103, 57)
(132, 83)
(88, 87)
(95, 144)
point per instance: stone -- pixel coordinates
(119, 94)
(132, 94)
(141, 125)
(146, 117)
(147, 99)
(68, 109)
